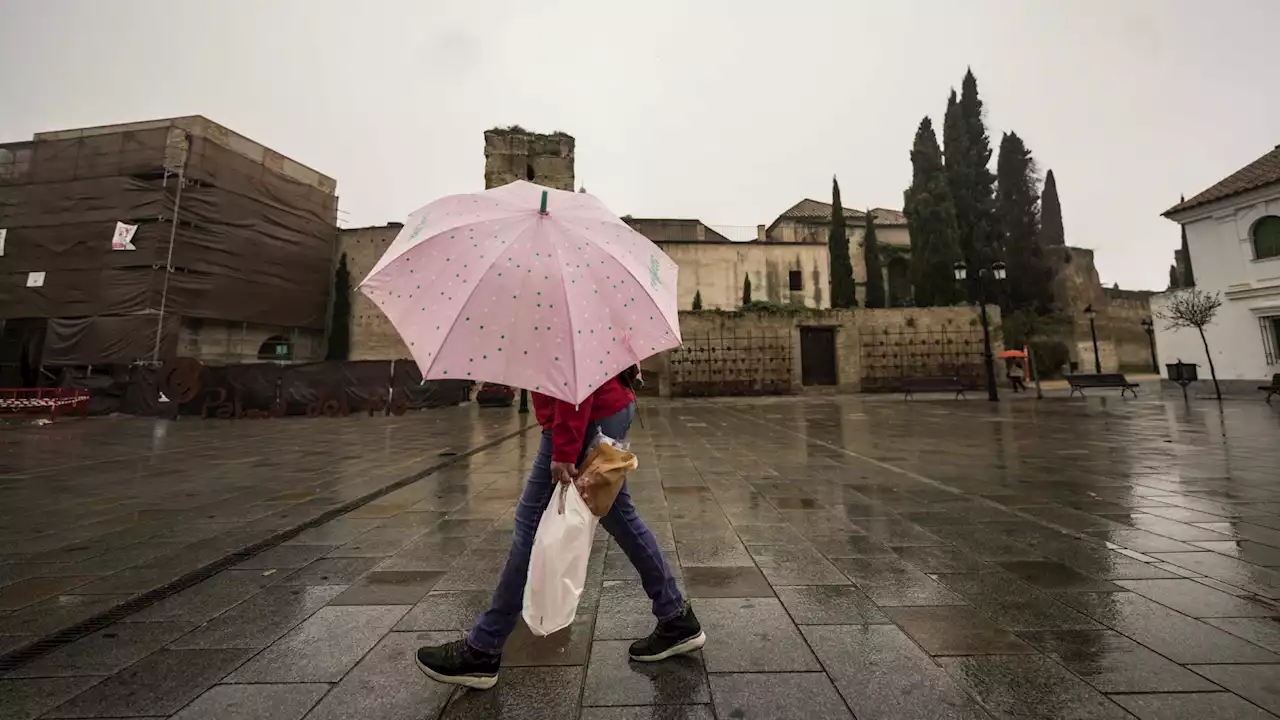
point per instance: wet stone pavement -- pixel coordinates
(848, 557)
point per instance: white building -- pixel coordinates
(1233, 235)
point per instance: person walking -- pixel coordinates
(566, 431)
(1016, 374)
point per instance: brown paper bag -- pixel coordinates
(602, 475)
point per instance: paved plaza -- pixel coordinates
(848, 557)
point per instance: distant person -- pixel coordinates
(1016, 375)
(566, 430)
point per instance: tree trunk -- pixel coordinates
(1212, 372)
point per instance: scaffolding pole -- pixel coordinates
(173, 232)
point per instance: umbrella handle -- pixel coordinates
(543, 209)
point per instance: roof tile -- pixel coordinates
(1263, 171)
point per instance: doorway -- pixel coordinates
(817, 356)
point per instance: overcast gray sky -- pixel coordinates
(730, 111)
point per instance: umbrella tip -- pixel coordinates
(543, 209)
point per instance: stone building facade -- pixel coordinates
(1123, 345)
(372, 335)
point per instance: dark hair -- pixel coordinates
(631, 377)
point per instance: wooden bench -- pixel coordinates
(912, 385)
(1101, 380)
(1273, 388)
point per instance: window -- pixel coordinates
(1270, 327)
(277, 348)
(1266, 238)
(796, 280)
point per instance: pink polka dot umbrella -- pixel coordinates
(526, 286)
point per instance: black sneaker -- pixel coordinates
(458, 663)
(678, 636)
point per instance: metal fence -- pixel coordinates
(888, 355)
(751, 363)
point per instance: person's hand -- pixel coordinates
(563, 472)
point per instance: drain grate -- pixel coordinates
(15, 659)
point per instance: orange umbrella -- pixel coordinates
(1012, 354)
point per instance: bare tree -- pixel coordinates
(1192, 308)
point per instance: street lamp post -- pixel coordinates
(997, 272)
(1090, 313)
(1150, 329)
(524, 401)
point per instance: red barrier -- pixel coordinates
(31, 402)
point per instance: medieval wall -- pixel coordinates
(219, 342)
(1122, 343)
(894, 240)
(372, 335)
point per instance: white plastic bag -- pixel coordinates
(558, 564)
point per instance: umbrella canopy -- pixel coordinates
(1012, 354)
(526, 286)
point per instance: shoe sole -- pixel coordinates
(684, 648)
(475, 682)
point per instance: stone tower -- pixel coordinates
(514, 153)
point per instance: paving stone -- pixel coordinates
(1172, 634)
(29, 698)
(17, 595)
(829, 605)
(1196, 599)
(569, 646)
(260, 620)
(853, 546)
(614, 679)
(461, 528)
(1142, 540)
(55, 613)
(741, 627)
(1246, 550)
(254, 702)
(724, 549)
(777, 696)
(896, 532)
(1014, 605)
(1191, 706)
(335, 532)
(1259, 631)
(648, 712)
(287, 557)
(387, 684)
(434, 553)
(1030, 687)
(533, 693)
(708, 582)
(477, 570)
(941, 559)
(209, 598)
(389, 588)
(1054, 576)
(159, 684)
(625, 612)
(331, 571)
(1256, 683)
(955, 630)
(882, 674)
(446, 610)
(1173, 529)
(1113, 663)
(104, 652)
(795, 565)
(379, 542)
(617, 566)
(892, 582)
(769, 535)
(1254, 578)
(323, 648)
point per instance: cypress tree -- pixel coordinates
(697, 300)
(871, 256)
(1017, 214)
(931, 222)
(968, 153)
(844, 292)
(1174, 281)
(1188, 273)
(746, 289)
(1051, 232)
(340, 321)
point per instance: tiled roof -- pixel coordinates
(814, 210)
(1263, 171)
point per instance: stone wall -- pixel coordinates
(515, 154)
(219, 342)
(852, 329)
(372, 335)
(1122, 344)
(894, 239)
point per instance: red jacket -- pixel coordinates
(568, 425)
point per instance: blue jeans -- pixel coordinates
(633, 536)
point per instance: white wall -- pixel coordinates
(1221, 246)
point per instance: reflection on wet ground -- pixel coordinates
(858, 557)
